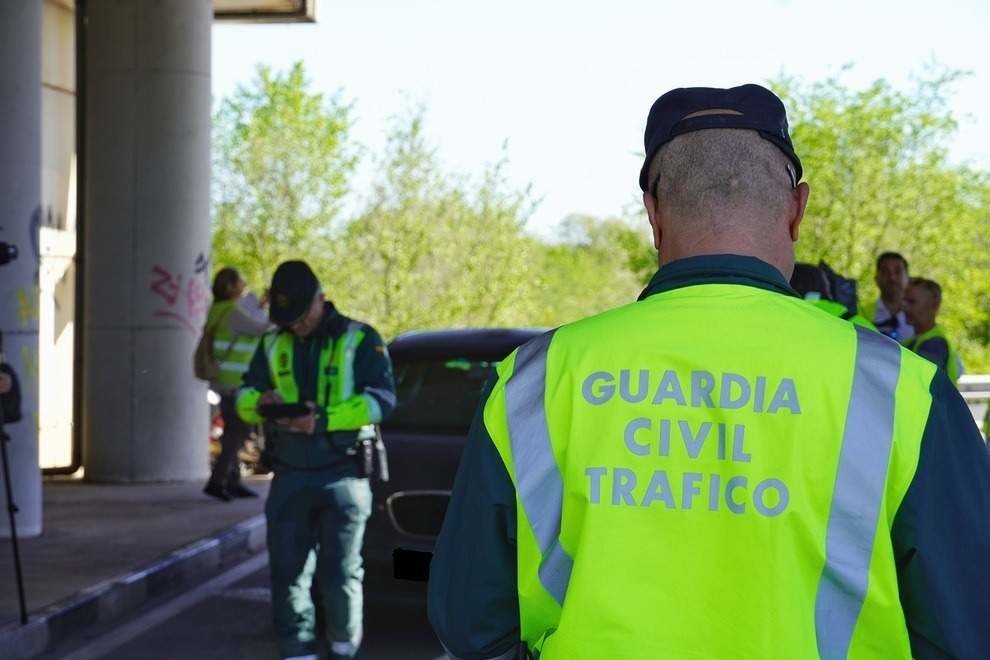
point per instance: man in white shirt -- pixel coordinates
(892, 280)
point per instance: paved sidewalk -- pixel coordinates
(103, 539)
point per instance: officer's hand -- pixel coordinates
(307, 423)
(269, 397)
(6, 384)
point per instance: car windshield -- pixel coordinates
(438, 395)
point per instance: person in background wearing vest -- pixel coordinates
(234, 340)
(718, 470)
(921, 304)
(888, 314)
(320, 498)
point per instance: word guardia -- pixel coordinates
(701, 389)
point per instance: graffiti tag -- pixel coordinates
(28, 306)
(182, 297)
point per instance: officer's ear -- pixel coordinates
(653, 211)
(800, 203)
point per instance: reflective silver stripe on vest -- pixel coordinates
(347, 377)
(859, 487)
(242, 346)
(538, 480)
(234, 367)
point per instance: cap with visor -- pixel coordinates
(748, 107)
(294, 285)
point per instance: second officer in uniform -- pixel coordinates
(320, 497)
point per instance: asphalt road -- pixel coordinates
(229, 618)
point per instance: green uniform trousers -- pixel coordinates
(316, 522)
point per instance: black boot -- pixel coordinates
(217, 491)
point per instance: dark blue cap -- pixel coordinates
(759, 110)
(294, 285)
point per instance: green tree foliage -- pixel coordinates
(427, 248)
(430, 249)
(282, 161)
(599, 263)
(877, 161)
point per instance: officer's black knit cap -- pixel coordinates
(760, 110)
(294, 285)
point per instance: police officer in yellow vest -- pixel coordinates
(718, 470)
(922, 300)
(320, 498)
(235, 338)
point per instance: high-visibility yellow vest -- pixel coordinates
(335, 392)
(953, 364)
(682, 495)
(232, 352)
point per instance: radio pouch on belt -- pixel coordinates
(373, 458)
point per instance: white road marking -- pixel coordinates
(102, 646)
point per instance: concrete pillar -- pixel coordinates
(20, 218)
(147, 238)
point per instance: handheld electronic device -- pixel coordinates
(283, 410)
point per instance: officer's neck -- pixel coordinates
(780, 257)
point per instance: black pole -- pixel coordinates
(11, 511)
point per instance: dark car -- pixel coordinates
(439, 378)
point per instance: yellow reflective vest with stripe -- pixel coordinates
(232, 352)
(681, 496)
(344, 410)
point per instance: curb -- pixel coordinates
(113, 599)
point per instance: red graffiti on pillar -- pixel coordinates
(166, 284)
(183, 297)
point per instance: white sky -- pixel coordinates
(568, 84)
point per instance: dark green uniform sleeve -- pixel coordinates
(473, 602)
(373, 372)
(935, 350)
(941, 535)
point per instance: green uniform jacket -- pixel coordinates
(371, 378)
(940, 535)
